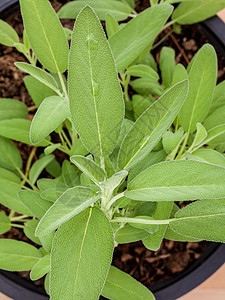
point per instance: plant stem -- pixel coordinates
(18, 218)
(66, 139)
(140, 221)
(162, 39)
(32, 108)
(29, 161)
(11, 214)
(17, 225)
(113, 200)
(183, 146)
(63, 85)
(27, 180)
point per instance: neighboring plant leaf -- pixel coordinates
(180, 73)
(170, 140)
(137, 34)
(78, 148)
(18, 130)
(10, 109)
(130, 234)
(202, 80)
(39, 74)
(17, 256)
(9, 187)
(213, 121)
(191, 12)
(120, 11)
(98, 113)
(52, 112)
(150, 126)
(140, 104)
(192, 219)
(69, 204)
(4, 223)
(114, 181)
(146, 86)
(36, 204)
(200, 135)
(89, 167)
(38, 167)
(47, 240)
(40, 21)
(119, 285)
(82, 252)
(41, 268)
(9, 155)
(178, 181)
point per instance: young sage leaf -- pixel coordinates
(10, 109)
(8, 36)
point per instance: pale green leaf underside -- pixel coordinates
(96, 100)
(82, 252)
(178, 181)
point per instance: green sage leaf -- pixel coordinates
(41, 268)
(10, 109)
(96, 99)
(8, 36)
(4, 223)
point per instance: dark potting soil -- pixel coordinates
(146, 266)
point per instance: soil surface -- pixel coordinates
(146, 266)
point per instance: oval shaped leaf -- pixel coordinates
(82, 252)
(178, 181)
(17, 256)
(96, 99)
(45, 34)
(9, 155)
(120, 11)
(38, 167)
(5, 223)
(202, 81)
(10, 109)
(52, 112)
(8, 35)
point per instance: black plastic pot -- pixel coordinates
(211, 259)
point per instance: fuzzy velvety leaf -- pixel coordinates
(18, 130)
(38, 167)
(4, 223)
(150, 126)
(70, 174)
(9, 187)
(52, 112)
(178, 181)
(213, 124)
(202, 80)
(69, 204)
(46, 183)
(39, 74)
(202, 219)
(136, 35)
(37, 205)
(112, 25)
(218, 97)
(82, 252)
(142, 71)
(207, 155)
(40, 22)
(9, 155)
(191, 12)
(29, 230)
(10, 109)
(89, 167)
(8, 35)
(96, 99)
(120, 11)
(120, 285)
(41, 268)
(17, 256)
(53, 194)
(167, 65)
(130, 234)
